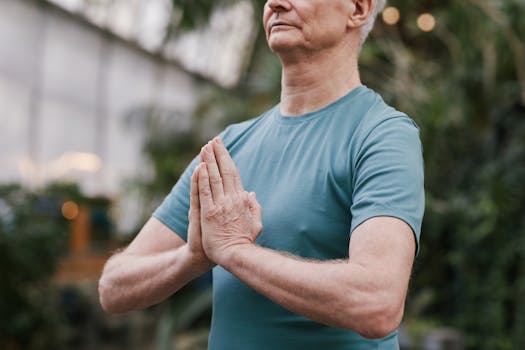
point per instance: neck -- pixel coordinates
(311, 83)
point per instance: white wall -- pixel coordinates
(66, 86)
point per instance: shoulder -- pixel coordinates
(383, 121)
(356, 116)
(380, 112)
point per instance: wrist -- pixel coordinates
(197, 261)
(233, 256)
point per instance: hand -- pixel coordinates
(230, 216)
(194, 226)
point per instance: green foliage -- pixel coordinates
(32, 238)
(463, 84)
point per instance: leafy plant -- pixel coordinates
(32, 238)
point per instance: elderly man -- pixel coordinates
(339, 175)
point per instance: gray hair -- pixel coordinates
(378, 6)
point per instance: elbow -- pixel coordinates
(380, 328)
(381, 323)
(375, 321)
(106, 297)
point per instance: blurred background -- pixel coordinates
(104, 102)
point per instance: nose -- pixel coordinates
(279, 5)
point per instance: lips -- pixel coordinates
(279, 24)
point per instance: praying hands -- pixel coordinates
(222, 215)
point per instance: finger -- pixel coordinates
(194, 189)
(205, 196)
(208, 156)
(230, 176)
(216, 184)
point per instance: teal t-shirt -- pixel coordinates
(317, 177)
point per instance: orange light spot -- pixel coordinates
(391, 15)
(70, 210)
(426, 22)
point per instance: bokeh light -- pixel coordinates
(70, 210)
(391, 15)
(426, 22)
(75, 161)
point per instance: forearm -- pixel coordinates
(131, 281)
(337, 293)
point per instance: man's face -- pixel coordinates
(307, 25)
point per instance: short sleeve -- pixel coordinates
(173, 212)
(388, 175)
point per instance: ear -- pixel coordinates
(362, 10)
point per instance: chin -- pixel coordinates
(278, 46)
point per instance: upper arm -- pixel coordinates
(154, 237)
(385, 246)
(383, 249)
